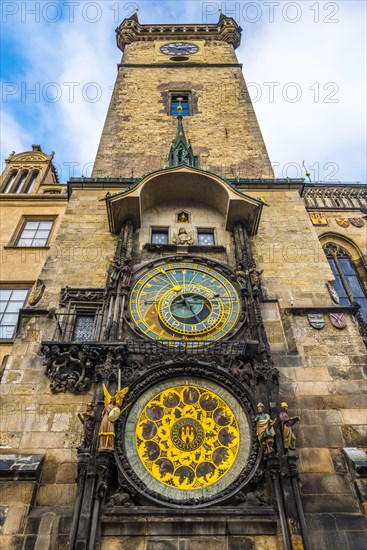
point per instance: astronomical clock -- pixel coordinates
(184, 300)
(187, 438)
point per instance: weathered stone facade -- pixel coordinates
(263, 243)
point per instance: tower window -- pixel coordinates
(35, 233)
(206, 237)
(180, 99)
(11, 301)
(160, 235)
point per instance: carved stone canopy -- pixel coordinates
(182, 183)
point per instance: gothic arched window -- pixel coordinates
(347, 281)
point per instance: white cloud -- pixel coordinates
(305, 52)
(324, 59)
(13, 136)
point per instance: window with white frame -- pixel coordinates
(35, 233)
(11, 301)
(159, 235)
(206, 237)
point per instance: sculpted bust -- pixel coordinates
(183, 237)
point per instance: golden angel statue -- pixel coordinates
(111, 412)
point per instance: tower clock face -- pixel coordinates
(184, 301)
(179, 48)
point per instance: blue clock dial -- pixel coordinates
(184, 301)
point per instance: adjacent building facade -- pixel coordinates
(190, 366)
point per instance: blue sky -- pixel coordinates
(304, 63)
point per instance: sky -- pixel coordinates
(304, 63)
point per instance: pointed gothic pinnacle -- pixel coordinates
(180, 152)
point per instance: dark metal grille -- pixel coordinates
(83, 327)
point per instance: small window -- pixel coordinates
(21, 181)
(11, 301)
(160, 236)
(83, 327)
(10, 181)
(35, 233)
(180, 99)
(31, 181)
(206, 237)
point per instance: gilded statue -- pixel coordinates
(242, 277)
(183, 217)
(111, 412)
(264, 429)
(287, 423)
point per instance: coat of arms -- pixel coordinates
(316, 320)
(36, 292)
(338, 320)
(357, 222)
(343, 222)
(318, 218)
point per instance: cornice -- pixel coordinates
(23, 197)
(130, 30)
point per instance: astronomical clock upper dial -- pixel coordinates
(184, 301)
(179, 48)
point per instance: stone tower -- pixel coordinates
(154, 72)
(201, 323)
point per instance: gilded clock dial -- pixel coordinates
(179, 48)
(184, 300)
(187, 437)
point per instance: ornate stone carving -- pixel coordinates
(81, 295)
(183, 237)
(292, 460)
(70, 367)
(265, 371)
(251, 499)
(342, 196)
(124, 496)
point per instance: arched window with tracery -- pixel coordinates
(347, 282)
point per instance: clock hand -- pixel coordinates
(187, 303)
